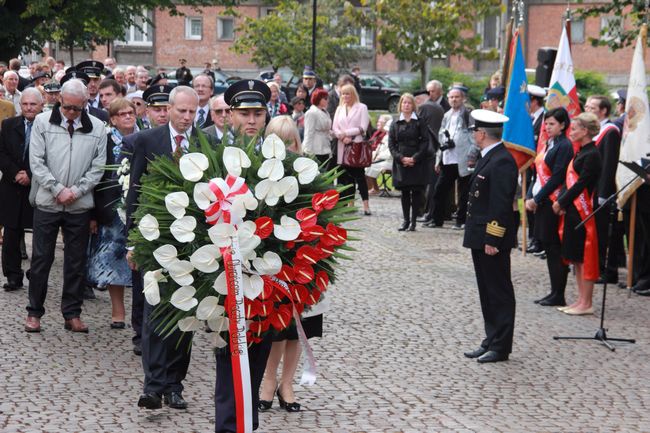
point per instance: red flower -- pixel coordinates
(322, 280)
(307, 217)
(326, 200)
(334, 235)
(258, 326)
(286, 273)
(308, 254)
(310, 232)
(299, 293)
(265, 308)
(325, 250)
(304, 272)
(251, 308)
(313, 297)
(281, 317)
(264, 227)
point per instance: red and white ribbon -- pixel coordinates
(237, 337)
(225, 191)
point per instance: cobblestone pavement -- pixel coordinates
(390, 360)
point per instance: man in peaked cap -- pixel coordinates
(491, 233)
(93, 69)
(52, 94)
(74, 74)
(247, 101)
(310, 80)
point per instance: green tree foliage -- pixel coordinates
(283, 38)
(27, 24)
(418, 30)
(615, 35)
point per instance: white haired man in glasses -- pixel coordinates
(67, 156)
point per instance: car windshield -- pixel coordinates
(377, 81)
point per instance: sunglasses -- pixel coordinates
(222, 111)
(138, 104)
(72, 108)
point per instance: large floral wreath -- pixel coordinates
(280, 208)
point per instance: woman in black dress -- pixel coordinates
(551, 165)
(408, 141)
(575, 204)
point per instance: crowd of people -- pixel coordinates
(63, 127)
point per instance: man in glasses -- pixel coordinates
(220, 115)
(67, 155)
(85, 79)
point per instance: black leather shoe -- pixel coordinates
(475, 353)
(645, 292)
(545, 298)
(412, 227)
(150, 400)
(552, 302)
(137, 349)
(639, 288)
(492, 356)
(432, 225)
(88, 293)
(424, 220)
(12, 286)
(602, 280)
(403, 227)
(175, 400)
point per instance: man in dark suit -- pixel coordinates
(491, 233)
(434, 88)
(165, 360)
(204, 87)
(432, 113)
(93, 69)
(15, 184)
(220, 115)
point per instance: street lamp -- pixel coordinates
(313, 36)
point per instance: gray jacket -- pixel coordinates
(465, 146)
(59, 161)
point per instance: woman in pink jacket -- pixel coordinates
(350, 124)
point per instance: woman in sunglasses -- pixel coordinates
(107, 265)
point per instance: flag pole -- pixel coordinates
(508, 42)
(524, 220)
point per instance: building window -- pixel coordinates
(611, 28)
(489, 30)
(140, 32)
(193, 28)
(225, 28)
(365, 38)
(577, 31)
(266, 10)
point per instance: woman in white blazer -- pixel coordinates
(318, 125)
(350, 124)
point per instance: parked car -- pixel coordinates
(379, 93)
(221, 80)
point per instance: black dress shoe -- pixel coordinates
(175, 400)
(88, 293)
(432, 225)
(552, 302)
(118, 325)
(475, 353)
(150, 400)
(492, 356)
(12, 286)
(403, 227)
(602, 280)
(412, 227)
(137, 349)
(424, 220)
(537, 301)
(645, 292)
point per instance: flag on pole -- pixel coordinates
(636, 131)
(562, 90)
(518, 134)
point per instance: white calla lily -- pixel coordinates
(220, 284)
(221, 234)
(206, 258)
(273, 147)
(248, 240)
(287, 230)
(219, 324)
(209, 309)
(183, 298)
(165, 255)
(235, 159)
(217, 340)
(307, 170)
(203, 195)
(183, 229)
(269, 264)
(150, 287)
(253, 285)
(148, 226)
(176, 202)
(181, 272)
(289, 188)
(192, 166)
(272, 169)
(240, 205)
(190, 324)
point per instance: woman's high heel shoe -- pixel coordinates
(264, 405)
(289, 407)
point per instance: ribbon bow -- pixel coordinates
(226, 191)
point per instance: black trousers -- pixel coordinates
(558, 271)
(448, 176)
(225, 417)
(354, 176)
(165, 365)
(641, 260)
(497, 297)
(411, 201)
(75, 239)
(429, 204)
(12, 255)
(137, 305)
(609, 269)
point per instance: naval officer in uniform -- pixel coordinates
(491, 233)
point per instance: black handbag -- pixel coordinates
(357, 154)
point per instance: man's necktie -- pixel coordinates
(28, 133)
(201, 120)
(178, 152)
(70, 127)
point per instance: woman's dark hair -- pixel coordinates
(303, 87)
(561, 115)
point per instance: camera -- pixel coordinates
(449, 142)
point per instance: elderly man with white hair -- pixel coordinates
(12, 94)
(67, 156)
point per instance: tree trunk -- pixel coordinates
(71, 48)
(422, 66)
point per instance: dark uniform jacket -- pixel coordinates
(490, 218)
(432, 113)
(410, 139)
(108, 192)
(16, 212)
(609, 147)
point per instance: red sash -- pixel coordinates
(584, 205)
(545, 173)
(603, 131)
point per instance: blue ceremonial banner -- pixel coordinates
(518, 132)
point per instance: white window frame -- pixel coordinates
(147, 29)
(481, 31)
(605, 22)
(574, 24)
(220, 21)
(188, 29)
